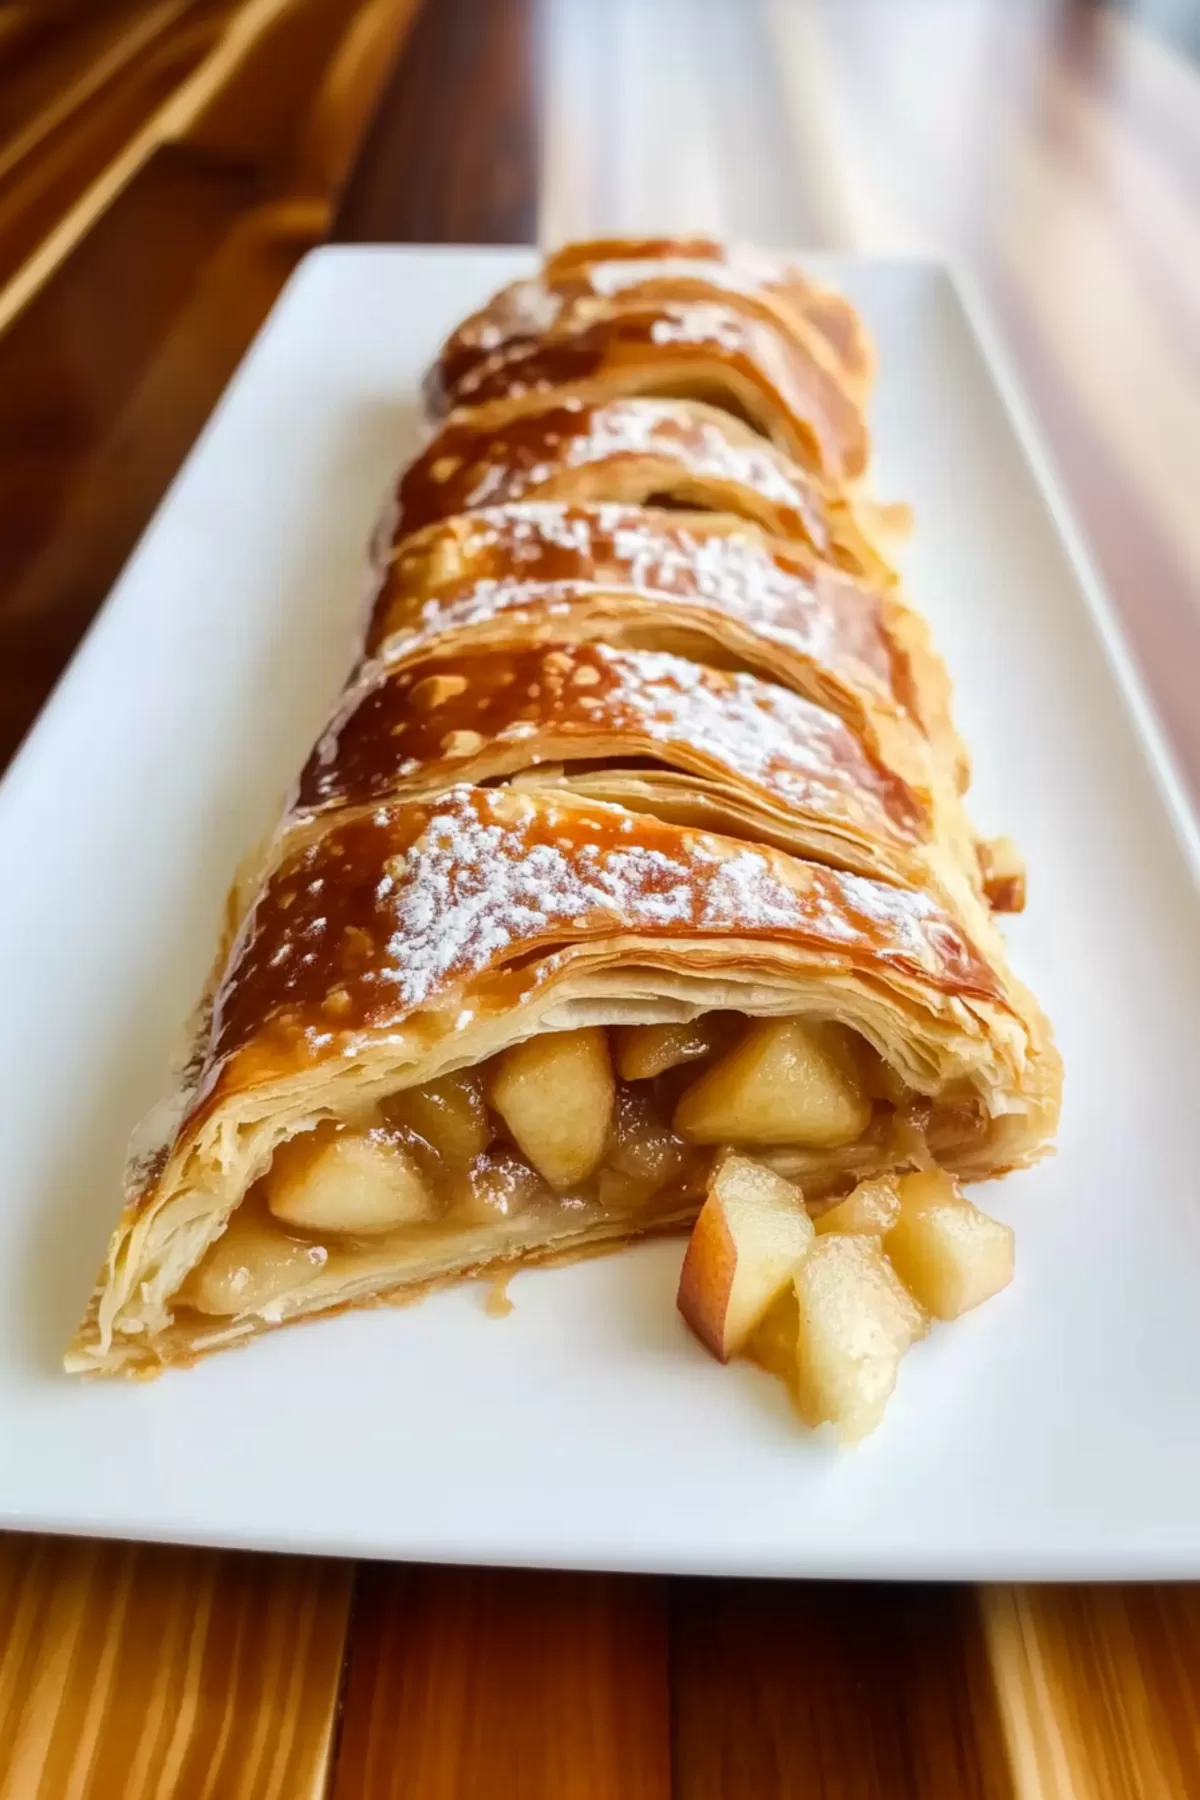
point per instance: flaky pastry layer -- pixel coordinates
(414, 940)
(650, 268)
(637, 451)
(643, 733)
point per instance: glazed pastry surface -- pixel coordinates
(637, 835)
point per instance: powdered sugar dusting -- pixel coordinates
(495, 465)
(699, 322)
(572, 552)
(744, 892)
(492, 485)
(486, 879)
(521, 310)
(498, 885)
(474, 887)
(639, 427)
(527, 308)
(619, 274)
(764, 732)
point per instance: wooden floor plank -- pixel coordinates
(498, 1683)
(101, 73)
(854, 1692)
(1099, 1689)
(83, 462)
(139, 1670)
(452, 156)
(108, 374)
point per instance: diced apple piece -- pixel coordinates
(751, 1236)
(642, 1149)
(1002, 871)
(789, 1081)
(333, 1179)
(870, 1211)
(772, 1344)
(855, 1321)
(555, 1094)
(951, 1255)
(497, 1185)
(450, 1114)
(643, 1051)
(251, 1265)
(618, 1192)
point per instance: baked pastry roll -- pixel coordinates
(684, 338)
(493, 1026)
(639, 728)
(610, 264)
(649, 267)
(679, 453)
(636, 838)
(711, 586)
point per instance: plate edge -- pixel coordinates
(1173, 787)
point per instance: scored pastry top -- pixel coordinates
(616, 267)
(609, 265)
(489, 457)
(634, 450)
(417, 903)
(713, 345)
(642, 739)
(470, 570)
(479, 714)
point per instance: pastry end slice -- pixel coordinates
(506, 1026)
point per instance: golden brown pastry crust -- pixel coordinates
(393, 909)
(645, 729)
(179, 1346)
(704, 349)
(639, 452)
(728, 780)
(414, 938)
(436, 722)
(631, 575)
(750, 270)
(711, 585)
(632, 267)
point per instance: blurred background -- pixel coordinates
(164, 163)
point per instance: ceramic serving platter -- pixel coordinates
(1054, 1433)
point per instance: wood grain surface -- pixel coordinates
(129, 1669)
(122, 330)
(450, 1668)
(798, 1689)
(163, 163)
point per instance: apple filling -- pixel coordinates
(832, 1308)
(555, 1134)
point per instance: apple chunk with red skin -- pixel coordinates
(750, 1238)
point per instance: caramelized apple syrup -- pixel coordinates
(588, 1125)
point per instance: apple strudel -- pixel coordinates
(630, 877)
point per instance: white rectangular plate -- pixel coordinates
(1055, 1433)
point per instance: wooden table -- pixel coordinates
(162, 166)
